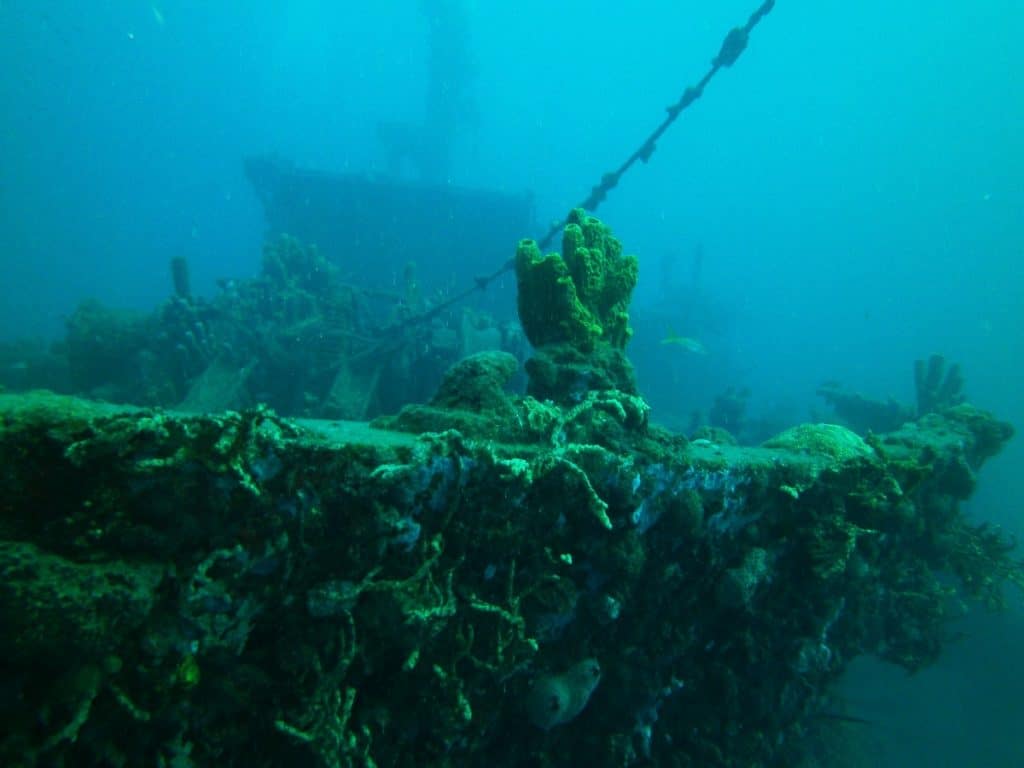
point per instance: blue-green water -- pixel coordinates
(855, 185)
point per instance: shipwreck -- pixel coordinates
(483, 579)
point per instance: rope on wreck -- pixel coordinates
(733, 45)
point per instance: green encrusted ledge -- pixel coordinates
(245, 590)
